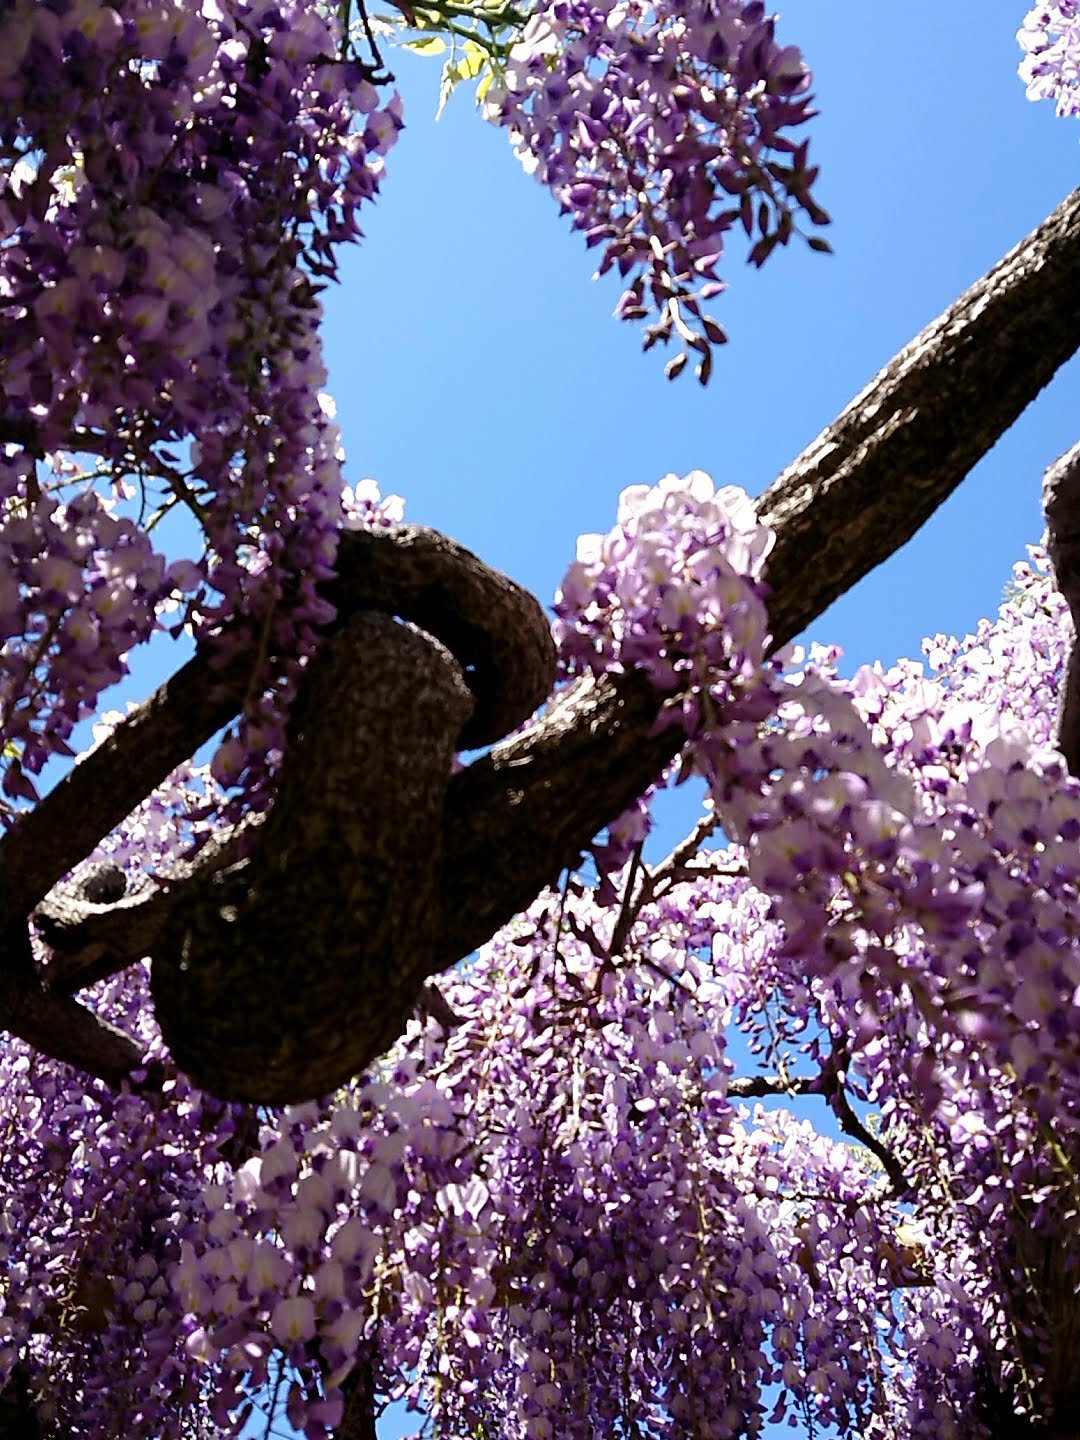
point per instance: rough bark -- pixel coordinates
(517, 815)
(852, 498)
(333, 916)
(1061, 506)
(903, 445)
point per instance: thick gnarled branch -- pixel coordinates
(857, 493)
(405, 570)
(880, 470)
(331, 920)
(1061, 506)
(515, 817)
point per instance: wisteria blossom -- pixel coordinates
(589, 1192)
(660, 128)
(165, 216)
(564, 1208)
(1050, 37)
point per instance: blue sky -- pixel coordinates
(479, 374)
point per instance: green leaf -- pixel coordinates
(430, 45)
(469, 62)
(473, 60)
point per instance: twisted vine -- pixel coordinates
(512, 819)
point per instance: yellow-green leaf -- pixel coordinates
(469, 62)
(430, 45)
(473, 59)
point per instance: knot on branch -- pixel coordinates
(291, 969)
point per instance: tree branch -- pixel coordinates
(852, 498)
(1061, 506)
(332, 918)
(853, 1126)
(829, 1085)
(90, 941)
(903, 445)
(405, 570)
(755, 1087)
(520, 814)
(55, 1024)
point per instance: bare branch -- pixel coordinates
(857, 493)
(631, 901)
(111, 780)
(57, 1025)
(853, 1126)
(829, 1085)
(1061, 506)
(90, 941)
(880, 470)
(404, 570)
(755, 1087)
(685, 863)
(518, 816)
(523, 812)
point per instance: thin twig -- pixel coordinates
(628, 910)
(850, 1123)
(749, 1087)
(379, 75)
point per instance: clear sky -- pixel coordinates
(479, 374)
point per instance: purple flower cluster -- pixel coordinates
(554, 1217)
(966, 1045)
(99, 1189)
(1050, 39)
(173, 179)
(890, 863)
(674, 590)
(80, 585)
(549, 1215)
(658, 128)
(917, 836)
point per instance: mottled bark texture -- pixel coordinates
(1061, 506)
(496, 629)
(290, 970)
(880, 470)
(514, 817)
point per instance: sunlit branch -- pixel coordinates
(521, 813)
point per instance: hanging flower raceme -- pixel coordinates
(1050, 38)
(659, 127)
(173, 178)
(675, 590)
(912, 841)
(548, 1221)
(549, 1214)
